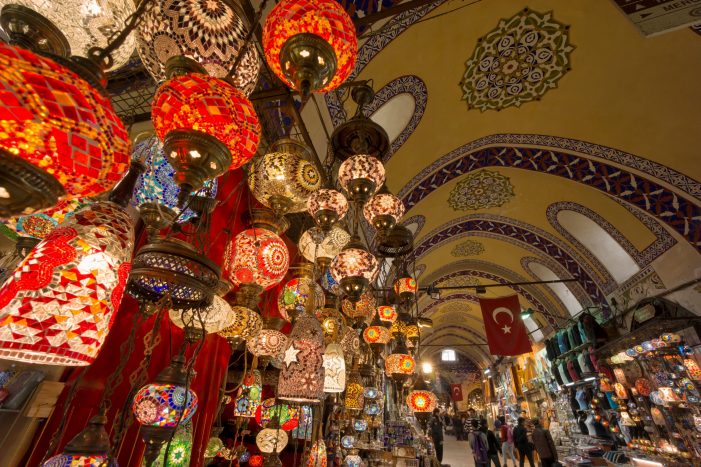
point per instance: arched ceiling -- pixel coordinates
(606, 125)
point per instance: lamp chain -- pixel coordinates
(247, 40)
(102, 56)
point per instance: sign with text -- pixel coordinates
(658, 16)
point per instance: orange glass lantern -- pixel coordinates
(207, 127)
(317, 454)
(376, 335)
(310, 44)
(364, 308)
(59, 137)
(387, 313)
(400, 365)
(421, 401)
(257, 256)
(405, 288)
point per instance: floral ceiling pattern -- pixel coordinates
(467, 248)
(480, 190)
(519, 61)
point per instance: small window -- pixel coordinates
(448, 355)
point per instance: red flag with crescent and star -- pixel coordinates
(456, 392)
(506, 333)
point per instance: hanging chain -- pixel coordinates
(103, 56)
(247, 40)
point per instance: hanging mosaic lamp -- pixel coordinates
(399, 365)
(383, 211)
(58, 306)
(376, 335)
(302, 376)
(268, 343)
(334, 369)
(207, 127)
(90, 447)
(362, 310)
(327, 207)
(272, 439)
(249, 395)
(246, 325)
(310, 45)
(59, 137)
(68, 27)
(355, 398)
(257, 256)
(284, 178)
(354, 268)
(295, 294)
(398, 328)
(200, 321)
(331, 320)
(179, 450)
(421, 401)
(212, 33)
(387, 313)
(352, 459)
(361, 176)
(405, 288)
(350, 341)
(163, 405)
(412, 333)
(317, 454)
(321, 247)
(286, 415)
(156, 194)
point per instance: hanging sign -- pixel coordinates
(653, 17)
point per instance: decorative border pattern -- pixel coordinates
(664, 240)
(582, 166)
(408, 84)
(528, 237)
(418, 219)
(641, 258)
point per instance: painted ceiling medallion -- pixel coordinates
(467, 248)
(517, 62)
(481, 190)
(460, 281)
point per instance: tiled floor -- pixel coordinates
(457, 453)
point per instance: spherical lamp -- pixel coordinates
(246, 325)
(179, 450)
(284, 178)
(90, 447)
(400, 364)
(268, 343)
(59, 305)
(68, 27)
(271, 440)
(200, 321)
(207, 127)
(310, 45)
(376, 335)
(387, 313)
(212, 33)
(257, 256)
(363, 309)
(361, 176)
(420, 401)
(334, 369)
(327, 207)
(322, 247)
(295, 294)
(302, 376)
(383, 211)
(59, 137)
(354, 268)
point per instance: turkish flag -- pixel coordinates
(506, 333)
(456, 392)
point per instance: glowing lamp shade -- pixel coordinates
(270, 440)
(398, 327)
(399, 365)
(412, 333)
(317, 245)
(268, 343)
(317, 454)
(157, 184)
(40, 224)
(85, 23)
(249, 395)
(376, 335)
(302, 375)
(387, 313)
(361, 176)
(211, 33)
(179, 450)
(256, 461)
(245, 325)
(363, 308)
(284, 179)
(304, 35)
(334, 369)
(287, 415)
(205, 124)
(421, 401)
(352, 460)
(405, 286)
(257, 256)
(327, 207)
(354, 392)
(58, 306)
(160, 405)
(350, 342)
(212, 319)
(383, 210)
(354, 269)
(59, 137)
(294, 295)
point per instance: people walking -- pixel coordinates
(493, 447)
(507, 442)
(479, 445)
(544, 445)
(524, 446)
(457, 427)
(435, 429)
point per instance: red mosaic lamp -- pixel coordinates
(421, 401)
(383, 211)
(59, 137)
(310, 44)
(354, 268)
(207, 127)
(399, 365)
(387, 313)
(257, 256)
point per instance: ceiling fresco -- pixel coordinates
(544, 136)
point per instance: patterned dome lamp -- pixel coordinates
(327, 207)
(207, 127)
(247, 323)
(383, 210)
(163, 405)
(399, 365)
(354, 268)
(59, 304)
(293, 297)
(88, 448)
(213, 34)
(361, 176)
(284, 178)
(59, 138)
(310, 45)
(421, 401)
(321, 247)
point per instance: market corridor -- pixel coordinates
(456, 453)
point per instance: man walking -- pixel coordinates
(493, 447)
(507, 442)
(525, 448)
(544, 444)
(479, 445)
(435, 429)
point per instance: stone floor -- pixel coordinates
(457, 453)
